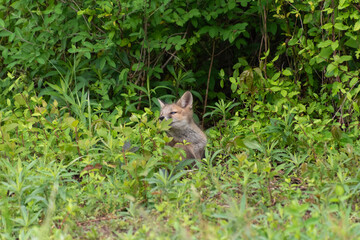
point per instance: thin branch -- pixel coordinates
(208, 82)
(173, 54)
(343, 102)
(22, 39)
(86, 22)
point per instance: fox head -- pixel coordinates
(180, 112)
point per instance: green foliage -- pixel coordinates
(52, 147)
(82, 154)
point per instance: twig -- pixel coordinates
(102, 31)
(173, 54)
(265, 40)
(208, 82)
(357, 8)
(342, 104)
(143, 51)
(22, 39)
(169, 59)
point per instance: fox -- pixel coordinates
(183, 126)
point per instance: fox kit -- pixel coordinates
(183, 126)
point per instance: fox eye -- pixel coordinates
(172, 113)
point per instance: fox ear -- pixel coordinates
(162, 104)
(186, 100)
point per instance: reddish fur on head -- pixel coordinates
(180, 112)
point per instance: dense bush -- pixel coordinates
(276, 84)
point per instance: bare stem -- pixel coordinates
(208, 82)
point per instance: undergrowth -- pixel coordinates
(275, 86)
(91, 177)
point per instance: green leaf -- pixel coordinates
(124, 42)
(339, 190)
(357, 26)
(276, 76)
(213, 32)
(222, 73)
(9, 127)
(291, 94)
(293, 41)
(353, 82)
(336, 86)
(353, 43)
(40, 60)
(308, 18)
(233, 87)
(102, 63)
(275, 89)
(324, 54)
(334, 45)
(252, 144)
(327, 26)
(87, 55)
(12, 37)
(194, 13)
(287, 72)
(349, 96)
(343, 4)
(341, 26)
(123, 75)
(19, 99)
(345, 58)
(77, 38)
(111, 35)
(356, 106)
(75, 123)
(331, 67)
(110, 62)
(231, 4)
(259, 72)
(325, 43)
